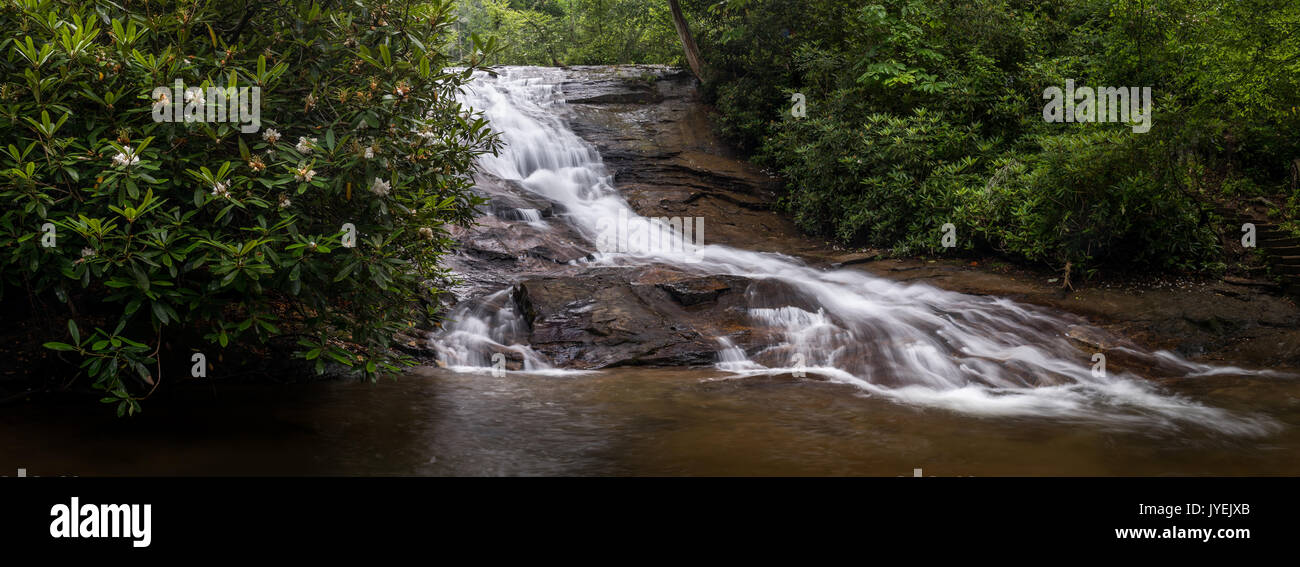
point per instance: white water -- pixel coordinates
(914, 344)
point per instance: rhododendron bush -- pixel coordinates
(155, 238)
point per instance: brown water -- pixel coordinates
(620, 422)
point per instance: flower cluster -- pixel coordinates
(126, 158)
(221, 189)
(304, 174)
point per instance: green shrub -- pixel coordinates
(1096, 197)
(572, 32)
(886, 181)
(1091, 195)
(202, 237)
(746, 111)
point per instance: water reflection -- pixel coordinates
(619, 422)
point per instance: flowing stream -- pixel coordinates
(850, 374)
(911, 344)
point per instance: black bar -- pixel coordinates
(413, 514)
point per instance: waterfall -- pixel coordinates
(910, 343)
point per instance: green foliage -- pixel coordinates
(1096, 194)
(923, 112)
(198, 236)
(885, 181)
(572, 32)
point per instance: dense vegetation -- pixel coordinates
(130, 243)
(925, 112)
(571, 32)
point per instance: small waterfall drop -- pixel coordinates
(911, 343)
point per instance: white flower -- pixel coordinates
(221, 189)
(271, 135)
(370, 153)
(426, 233)
(305, 146)
(126, 157)
(87, 252)
(304, 174)
(284, 201)
(194, 95)
(380, 187)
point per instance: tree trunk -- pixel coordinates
(688, 42)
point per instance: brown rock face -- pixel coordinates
(605, 317)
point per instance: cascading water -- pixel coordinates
(914, 344)
(484, 328)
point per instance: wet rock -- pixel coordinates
(854, 258)
(631, 96)
(606, 317)
(700, 290)
(507, 197)
(667, 161)
(1121, 353)
(502, 240)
